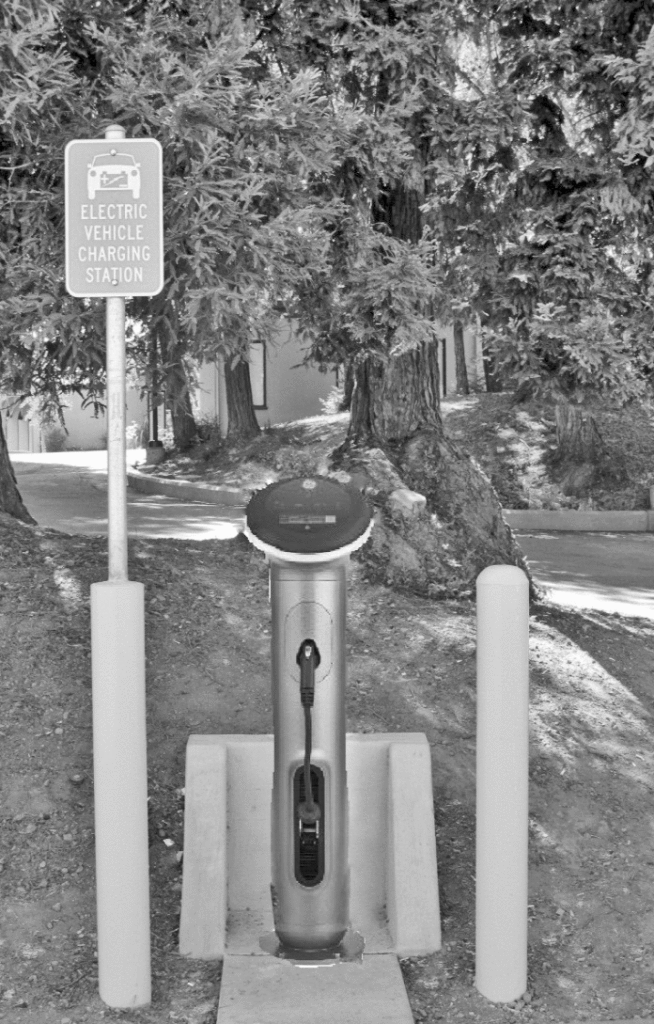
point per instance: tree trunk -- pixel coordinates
(577, 435)
(242, 419)
(173, 376)
(348, 387)
(395, 399)
(396, 442)
(178, 394)
(154, 389)
(462, 386)
(491, 376)
(580, 450)
(10, 500)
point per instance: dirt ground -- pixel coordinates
(411, 667)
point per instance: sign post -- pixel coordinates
(114, 249)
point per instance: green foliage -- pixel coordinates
(241, 227)
(547, 236)
(47, 343)
(634, 129)
(363, 168)
(554, 356)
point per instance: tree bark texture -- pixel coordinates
(242, 419)
(179, 402)
(394, 399)
(173, 379)
(462, 386)
(577, 435)
(348, 387)
(580, 455)
(11, 502)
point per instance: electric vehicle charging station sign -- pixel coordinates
(114, 217)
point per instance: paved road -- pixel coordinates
(68, 491)
(613, 572)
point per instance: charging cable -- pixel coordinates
(308, 659)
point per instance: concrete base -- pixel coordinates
(226, 902)
(257, 989)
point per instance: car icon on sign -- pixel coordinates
(113, 172)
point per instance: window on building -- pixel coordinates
(258, 374)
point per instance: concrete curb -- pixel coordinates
(527, 520)
(186, 490)
(521, 520)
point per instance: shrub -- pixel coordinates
(54, 438)
(332, 403)
(136, 435)
(556, 356)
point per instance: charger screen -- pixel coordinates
(306, 520)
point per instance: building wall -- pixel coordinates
(286, 390)
(292, 391)
(22, 430)
(88, 433)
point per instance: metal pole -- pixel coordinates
(502, 782)
(117, 482)
(119, 724)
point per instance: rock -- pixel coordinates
(407, 502)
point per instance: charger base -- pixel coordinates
(349, 950)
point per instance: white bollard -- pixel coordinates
(120, 797)
(502, 782)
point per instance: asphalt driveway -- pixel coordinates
(67, 491)
(612, 572)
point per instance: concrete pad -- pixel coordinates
(392, 845)
(204, 907)
(412, 874)
(256, 990)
